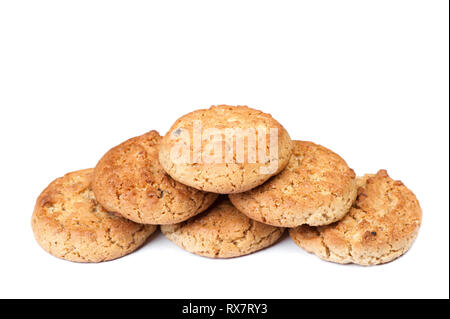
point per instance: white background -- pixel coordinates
(368, 79)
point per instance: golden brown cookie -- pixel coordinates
(130, 181)
(380, 227)
(225, 149)
(316, 188)
(69, 223)
(222, 232)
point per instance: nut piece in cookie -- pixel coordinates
(225, 149)
(130, 181)
(70, 224)
(222, 232)
(316, 188)
(381, 226)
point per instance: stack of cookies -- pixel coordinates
(225, 182)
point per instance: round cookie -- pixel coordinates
(316, 188)
(222, 232)
(225, 149)
(69, 223)
(130, 181)
(380, 227)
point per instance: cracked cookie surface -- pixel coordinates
(316, 188)
(231, 171)
(69, 223)
(222, 232)
(130, 181)
(381, 226)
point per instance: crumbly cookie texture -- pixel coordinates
(228, 173)
(222, 232)
(316, 188)
(130, 181)
(380, 227)
(69, 223)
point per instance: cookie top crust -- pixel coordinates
(69, 223)
(227, 149)
(222, 232)
(130, 181)
(317, 188)
(381, 225)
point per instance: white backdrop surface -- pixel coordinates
(368, 79)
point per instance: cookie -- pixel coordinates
(222, 232)
(130, 181)
(225, 149)
(316, 188)
(381, 226)
(69, 223)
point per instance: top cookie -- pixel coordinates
(129, 180)
(225, 149)
(316, 188)
(69, 223)
(380, 227)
